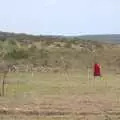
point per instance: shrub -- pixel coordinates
(17, 54)
(68, 45)
(43, 53)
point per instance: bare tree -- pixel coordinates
(4, 69)
(64, 68)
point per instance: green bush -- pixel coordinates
(17, 54)
(12, 42)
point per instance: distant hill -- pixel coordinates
(111, 38)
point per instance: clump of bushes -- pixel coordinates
(17, 54)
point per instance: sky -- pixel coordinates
(60, 17)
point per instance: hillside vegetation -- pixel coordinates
(57, 51)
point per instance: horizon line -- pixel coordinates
(64, 35)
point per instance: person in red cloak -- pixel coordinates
(97, 70)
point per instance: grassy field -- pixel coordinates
(50, 96)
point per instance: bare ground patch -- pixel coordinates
(70, 106)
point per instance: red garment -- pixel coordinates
(97, 71)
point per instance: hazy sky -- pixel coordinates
(68, 17)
